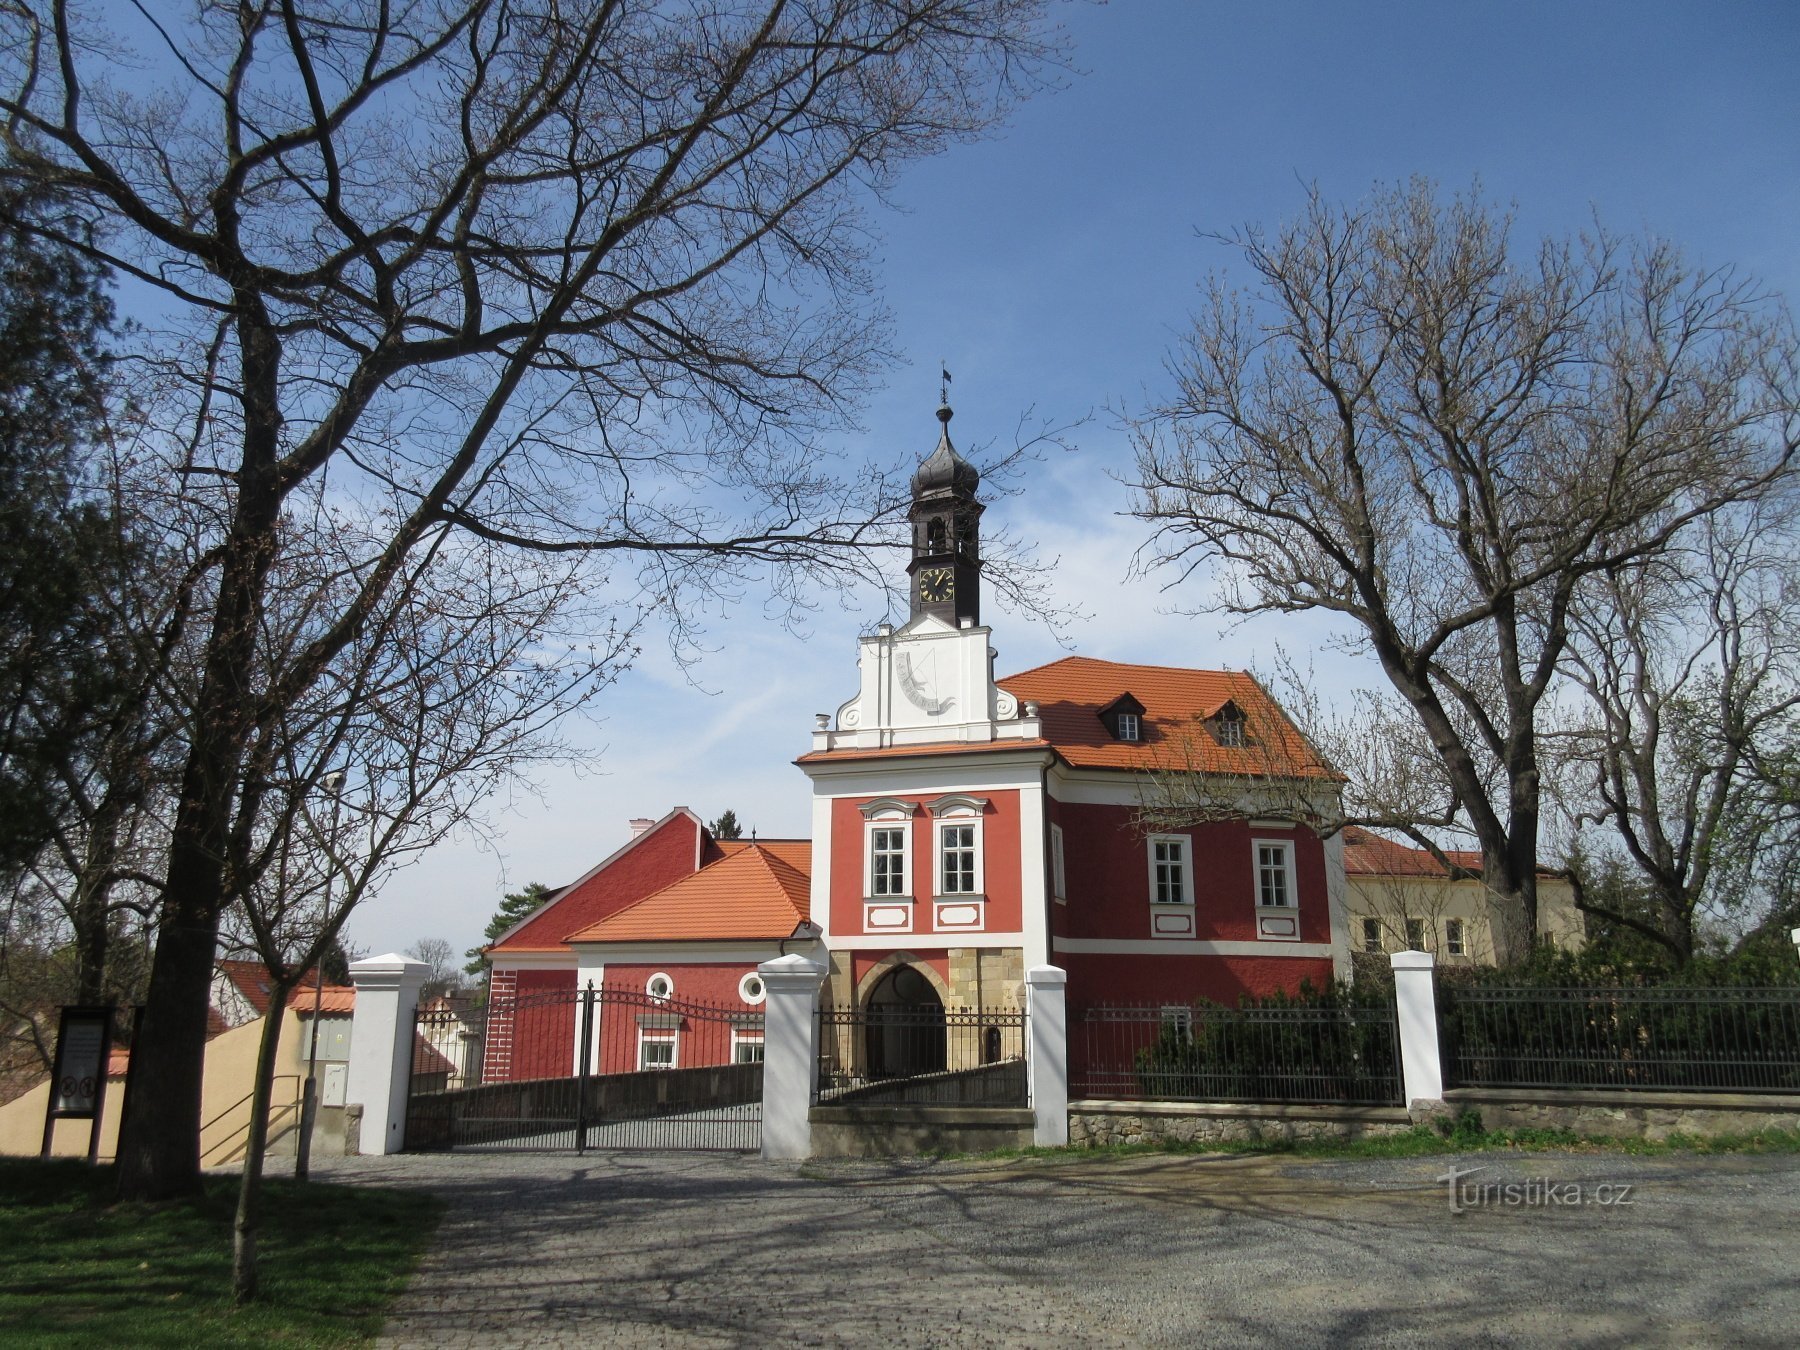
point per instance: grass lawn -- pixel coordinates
(78, 1269)
(1423, 1141)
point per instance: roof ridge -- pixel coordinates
(1123, 665)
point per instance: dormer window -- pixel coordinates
(1226, 722)
(1124, 718)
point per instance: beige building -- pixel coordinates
(238, 1003)
(1401, 898)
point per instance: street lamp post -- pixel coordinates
(333, 783)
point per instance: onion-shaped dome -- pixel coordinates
(944, 470)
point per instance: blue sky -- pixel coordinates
(1051, 266)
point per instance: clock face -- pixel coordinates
(937, 584)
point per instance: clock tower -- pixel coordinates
(946, 534)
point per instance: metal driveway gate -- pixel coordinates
(595, 1068)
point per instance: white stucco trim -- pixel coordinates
(1189, 947)
(594, 955)
(926, 942)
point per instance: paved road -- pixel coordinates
(690, 1250)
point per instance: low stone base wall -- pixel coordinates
(1628, 1115)
(905, 1131)
(1095, 1124)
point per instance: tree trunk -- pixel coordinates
(159, 1153)
(243, 1231)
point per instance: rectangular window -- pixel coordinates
(1231, 731)
(1415, 935)
(1371, 935)
(1168, 865)
(1453, 938)
(887, 862)
(1128, 726)
(1178, 1021)
(656, 1052)
(747, 1052)
(1273, 884)
(1059, 875)
(958, 859)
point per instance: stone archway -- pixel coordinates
(878, 972)
(905, 1021)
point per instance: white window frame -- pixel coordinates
(1423, 936)
(889, 814)
(1129, 726)
(669, 1036)
(1231, 732)
(1179, 1018)
(1059, 866)
(1371, 933)
(1456, 937)
(1187, 867)
(1290, 882)
(745, 1038)
(668, 986)
(958, 812)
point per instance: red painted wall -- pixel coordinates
(530, 1025)
(1109, 877)
(1130, 979)
(704, 1036)
(658, 858)
(1000, 864)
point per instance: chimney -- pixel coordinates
(639, 824)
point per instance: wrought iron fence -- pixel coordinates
(922, 1056)
(607, 1068)
(1694, 1040)
(1348, 1055)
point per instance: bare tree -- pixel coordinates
(451, 693)
(1440, 436)
(445, 970)
(1689, 661)
(584, 278)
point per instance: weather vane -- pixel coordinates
(944, 384)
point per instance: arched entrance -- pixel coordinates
(905, 1026)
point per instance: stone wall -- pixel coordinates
(1628, 1115)
(1096, 1124)
(906, 1131)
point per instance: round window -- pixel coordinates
(750, 988)
(659, 986)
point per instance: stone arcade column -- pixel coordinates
(1047, 1061)
(381, 1046)
(790, 1053)
(1421, 1065)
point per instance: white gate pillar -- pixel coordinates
(1421, 1065)
(1047, 1060)
(790, 1053)
(381, 1046)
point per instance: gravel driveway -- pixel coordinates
(660, 1249)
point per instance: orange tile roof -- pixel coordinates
(1070, 693)
(333, 999)
(1367, 854)
(757, 892)
(252, 980)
